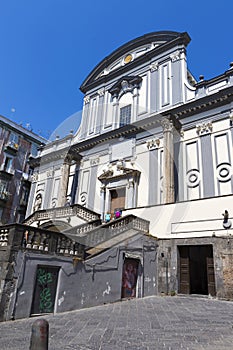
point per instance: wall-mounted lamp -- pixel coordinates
(226, 222)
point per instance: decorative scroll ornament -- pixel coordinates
(204, 128)
(95, 161)
(182, 133)
(153, 144)
(175, 56)
(120, 169)
(101, 92)
(34, 177)
(154, 66)
(124, 85)
(50, 173)
(86, 99)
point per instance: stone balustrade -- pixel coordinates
(62, 212)
(51, 242)
(4, 237)
(114, 228)
(83, 229)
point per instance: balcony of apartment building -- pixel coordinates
(11, 147)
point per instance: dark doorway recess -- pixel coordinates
(196, 270)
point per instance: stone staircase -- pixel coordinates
(102, 237)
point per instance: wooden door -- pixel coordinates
(210, 276)
(184, 276)
(117, 199)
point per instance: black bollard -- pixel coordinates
(40, 335)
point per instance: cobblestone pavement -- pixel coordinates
(151, 323)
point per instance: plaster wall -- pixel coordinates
(83, 284)
(194, 218)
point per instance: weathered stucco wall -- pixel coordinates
(86, 283)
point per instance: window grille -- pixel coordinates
(125, 115)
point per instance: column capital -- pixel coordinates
(86, 100)
(167, 125)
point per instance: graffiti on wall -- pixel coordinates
(129, 278)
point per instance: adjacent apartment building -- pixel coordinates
(139, 201)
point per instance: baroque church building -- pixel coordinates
(138, 201)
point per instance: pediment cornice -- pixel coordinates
(127, 56)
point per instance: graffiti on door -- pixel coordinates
(45, 290)
(129, 278)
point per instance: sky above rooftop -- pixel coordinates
(48, 47)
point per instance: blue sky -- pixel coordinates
(48, 47)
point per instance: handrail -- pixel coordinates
(113, 228)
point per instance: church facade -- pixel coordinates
(138, 201)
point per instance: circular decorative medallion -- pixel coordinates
(193, 178)
(224, 172)
(128, 58)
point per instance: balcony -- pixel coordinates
(11, 147)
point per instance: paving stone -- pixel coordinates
(153, 323)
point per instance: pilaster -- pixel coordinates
(168, 165)
(65, 170)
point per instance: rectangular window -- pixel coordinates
(8, 164)
(3, 190)
(34, 149)
(14, 138)
(125, 115)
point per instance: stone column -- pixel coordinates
(65, 171)
(168, 163)
(130, 194)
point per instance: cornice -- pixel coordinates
(66, 154)
(204, 103)
(214, 80)
(175, 114)
(172, 39)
